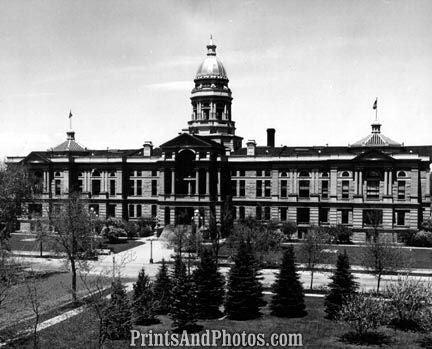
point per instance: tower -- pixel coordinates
(211, 103)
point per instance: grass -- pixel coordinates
(317, 332)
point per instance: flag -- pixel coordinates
(70, 114)
(375, 105)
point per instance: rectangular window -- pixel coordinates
(242, 188)
(111, 210)
(258, 213)
(258, 189)
(154, 187)
(154, 173)
(234, 187)
(345, 189)
(57, 187)
(112, 187)
(241, 212)
(283, 213)
(233, 173)
(324, 189)
(138, 210)
(139, 187)
(138, 173)
(304, 189)
(284, 190)
(259, 173)
(242, 173)
(345, 216)
(131, 211)
(131, 188)
(401, 190)
(234, 212)
(267, 189)
(400, 217)
(303, 215)
(372, 189)
(96, 186)
(267, 213)
(267, 173)
(80, 185)
(372, 218)
(154, 210)
(323, 214)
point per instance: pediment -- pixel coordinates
(35, 158)
(373, 155)
(186, 140)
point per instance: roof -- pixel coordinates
(211, 67)
(376, 139)
(69, 144)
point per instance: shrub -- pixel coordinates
(114, 234)
(427, 225)
(131, 229)
(410, 302)
(289, 229)
(422, 239)
(340, 234)
(364, 313)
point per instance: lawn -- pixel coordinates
(81, 331)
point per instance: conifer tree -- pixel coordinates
(244, 294)
(143, 305)
(341, 287)
(183, 298)
(288, 298)
(162, 290)
(209, 284)
(116, 322)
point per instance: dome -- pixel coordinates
(211, 67)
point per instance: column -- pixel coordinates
(390, 183)
(333, 182)
(385, 182)
(218, 182)
(361, 183)
(356, 182)
(207, 182)
(196, 182)
(294, 181)
(44, 187)
(172, 181)
(189, 187)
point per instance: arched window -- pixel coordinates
(57, 174)
(304, 173)
(401, 174)
(96, 173)
(345, 174)
(112, 173)
(325, 174)
(283, 174)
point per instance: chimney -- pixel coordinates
(251, 145)
(271, 137)
(148, 148)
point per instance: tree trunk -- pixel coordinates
(41, 248)
(378, 283)
(74, 280)
(311, 282)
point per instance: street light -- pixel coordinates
(151, 250)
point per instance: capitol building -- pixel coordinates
(208, 165)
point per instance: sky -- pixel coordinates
(309, 69)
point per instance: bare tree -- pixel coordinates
(313, 249)
(73, 236)
(382, 257)
(34, 301)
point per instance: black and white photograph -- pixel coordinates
(215, 174)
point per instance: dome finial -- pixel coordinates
(211, 48)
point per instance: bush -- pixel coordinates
(145, 231)
(131, 229)
(289, 229)
(364, 314)
(114, 234)
(422, 239)
(427, 225)
(340, 234)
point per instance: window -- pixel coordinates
(325, 174)
(323, 214)
(242, 173)
(242, 188)
(345, 216)
(234, 212)
(57, 174)
(372, 189)
(154, 187)
(372, 217)
(241, 212)
(234, 187)
(304, 173)
(131, 188)
(96, 186)
(131, 211)
(138, 210)
(139, 187)
(154, 210)
(112, 187)
(111, 210)
(284, 191)
(401, 190)
(401, 174)
(233, 173)
(267, 173)
(259, 173)
(112, 174)
(258, 213)
(324, 189)
(303, 215)
(138, 173)
(267, 213)
(304, 189)
(345, 189)
(80, 185)
(57, 187)
(167, 215)
(267, 189)
(283, 174)
(154, 173)
(258, 189)
(400, 217)
(283, 213)
(345, 174)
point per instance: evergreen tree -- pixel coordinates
(162, 290)
(244, 294)
(116, 322)
(341, 287)
(288, 298)
(143, 306)
(209, 287)
(183, 298)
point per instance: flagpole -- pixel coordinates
(376, 109)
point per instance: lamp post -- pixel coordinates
(151, 251)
